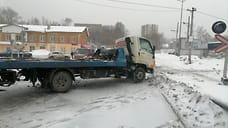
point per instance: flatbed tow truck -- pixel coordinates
(132, 57)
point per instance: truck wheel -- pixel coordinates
(139, 74)
(61, 81)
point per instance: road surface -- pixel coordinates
(96, 103)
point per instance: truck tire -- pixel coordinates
(61, 81)
(139, 74)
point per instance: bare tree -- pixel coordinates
(95, 34)
(156, 39)
(8, 16)
(67, 22)
(45, 21)
(111, 33)
(120, 30)
(35, 21)
(106, 35)
(202, 35)
(22, 21)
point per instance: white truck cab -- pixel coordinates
(139, 51)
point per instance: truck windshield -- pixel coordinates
(145, 45)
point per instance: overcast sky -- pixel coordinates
(108, 12)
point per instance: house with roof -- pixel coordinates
(32, 37)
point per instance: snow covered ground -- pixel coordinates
(96, 103)
(203, 76)
(178, 95)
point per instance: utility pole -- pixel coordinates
(191, 32)
(189, 46)
(177, 33)
(179, 47)
(176, 39)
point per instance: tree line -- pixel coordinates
(10, 16)
(106, 35)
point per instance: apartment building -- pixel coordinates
(52, 38)
(149, 29)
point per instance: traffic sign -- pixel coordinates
(224, 45)
(219, 27)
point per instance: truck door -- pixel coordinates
(146, 53)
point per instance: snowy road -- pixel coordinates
(100, 103)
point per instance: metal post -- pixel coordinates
(224, 78)
(225, 65)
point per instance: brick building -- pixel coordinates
(51, 38)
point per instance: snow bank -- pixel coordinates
(193, 109)
(204, 74)
(181, 62)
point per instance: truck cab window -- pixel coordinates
(145, 45)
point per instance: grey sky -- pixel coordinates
(133, 17)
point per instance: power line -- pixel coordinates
(160, 6)
(131, 9)
(147, 10)
(142, 4)
(206, 14)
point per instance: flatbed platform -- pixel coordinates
(36, 63)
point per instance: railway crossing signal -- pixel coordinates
(224, 45)
(218, 28)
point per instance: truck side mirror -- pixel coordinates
(154, 48)
(128, 40)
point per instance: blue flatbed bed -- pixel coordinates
(29, 64)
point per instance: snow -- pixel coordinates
(203, 76)
(131, 114)
(40, 28)
(181, 63)
(8, 42)
(40, 53)
(1, 25)
(178, 95)
(204, 73)
(97, 103)
(190, 105)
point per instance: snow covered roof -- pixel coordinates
(42, 28)
(1, 25)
